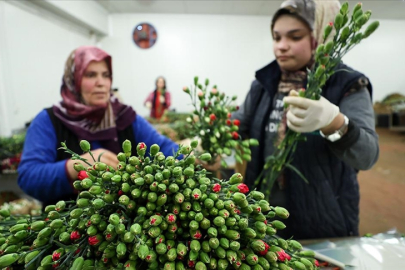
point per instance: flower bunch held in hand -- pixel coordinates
(327, 59)
(153, 212)
(212, 124)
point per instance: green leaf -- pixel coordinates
(291, 167)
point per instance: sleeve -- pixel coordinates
(359, 146)
(39, 174)
(244, 114)
(144, 132)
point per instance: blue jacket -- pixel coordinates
(40, 173)
(329, 205)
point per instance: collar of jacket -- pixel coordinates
(269, 77)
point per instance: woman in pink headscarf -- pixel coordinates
(88, 111)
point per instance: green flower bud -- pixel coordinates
(319, 71)
(264, 263)
(307, 253)
(141, 149)
(232, 234)
(39, 242)
(338, 21)
(78, 167)
(220, 252)
(188, 172)
(56, 224)
(195, 245)
(327, 31)
(122, 157)
(278, 224)
(38, 225)
(252, 259)
(86, 183)
(8, 259)
(371, 28)
(50, 208)
(82, 203)
(205, 157)
(213, 242)
(362, 20)
(154, 232)
(85, 145)
(64, 237)
(20, 235)
(282, 212)
(344, 8)
(307, 263)
(127, 146)
(45, 232)
(295, 245)
(270, 230)
(249, 233)
(248, 209)
(357, 7)
(271, 257)
(18, 227)
(223, 264)
(236, 179)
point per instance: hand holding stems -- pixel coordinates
(103, 155)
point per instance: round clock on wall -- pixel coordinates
(144, 35)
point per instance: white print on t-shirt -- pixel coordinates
(276, 115)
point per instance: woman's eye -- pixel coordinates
(106, 75)
(296, 38)
(276, 38)
(90, 75)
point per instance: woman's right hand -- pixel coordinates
(108, 158)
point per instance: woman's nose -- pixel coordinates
(282, 44)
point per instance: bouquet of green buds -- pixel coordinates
(212, 124)
(327, 57)
(152, 212)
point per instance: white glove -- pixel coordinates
(162, 99)
(148, 105)
(307, 115)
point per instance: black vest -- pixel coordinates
(329, 205)
(63, 134)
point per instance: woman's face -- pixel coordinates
(292, 43)
(96, 84)
(160, 84)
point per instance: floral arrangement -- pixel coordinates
(152, 212)
(10, 152)
(211, 123)
(327, 57)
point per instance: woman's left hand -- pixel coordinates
(213, 167)
(307, 115)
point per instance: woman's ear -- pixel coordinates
(314, 44)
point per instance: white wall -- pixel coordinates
(228, 50)
(225, 49)
(33, 48)
(381, 57)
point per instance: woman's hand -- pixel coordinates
(211, 167)
(108, 158)
(148, 105)
(307, 115)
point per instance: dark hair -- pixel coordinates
(164, 80)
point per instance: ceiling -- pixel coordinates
(382, 9)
